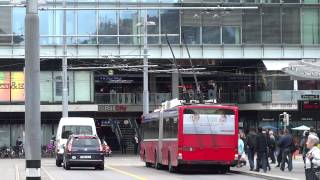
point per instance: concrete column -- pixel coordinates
(174, 85)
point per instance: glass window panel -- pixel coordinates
(252, 1)
(87, 26)
(291, 1)
(46, 27)
(271, 25)
(270, 1)
(5, 25)
(168, 1)
(231, 35)
(153, 16)
(191, 35)
(291, 25)
(71, 30)
(211, 35)
(108, 25)
(4, 135)
(310, 26)
(46, 86)
(128, 26)
(149, 1)
(82, 84)
(251, 27)
(310, 1)
(18, 25)
(170, 25)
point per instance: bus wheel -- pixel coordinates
(156, 164)
(171, 168)
(145, 160)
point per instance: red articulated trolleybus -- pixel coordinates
(191, 135)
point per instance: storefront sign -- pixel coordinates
(309, 105)
(112, 108)
(309, 96)
(267, 119)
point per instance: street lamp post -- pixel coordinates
(32, 92)
(145, 65)
(65, 97)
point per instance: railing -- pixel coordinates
(130, 98)
(273, 96)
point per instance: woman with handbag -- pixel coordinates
(312, 169)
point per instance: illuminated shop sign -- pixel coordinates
(11, 86)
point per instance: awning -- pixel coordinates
(277, 65)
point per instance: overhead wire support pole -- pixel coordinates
(184, 90)
(32, 92)
(145, 65)
(199, 94)
(65, 97)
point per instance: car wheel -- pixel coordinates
(58, 163)
(100, 167)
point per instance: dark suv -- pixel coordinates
(83, 151)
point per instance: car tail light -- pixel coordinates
(69, 147)
(179, 155)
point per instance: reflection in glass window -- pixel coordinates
(231, 35)
(108, 26)
(70, 26)
(170, 25)
(128, 26)
(291, 25)
(271, 25)
(153, 16)
(251, 27)
(87, 26)
(46, 27)
(191, 22)
(211, 35)
(18, 24)
(310, 1)
(310, 26)
(5, 24)
(191, 35)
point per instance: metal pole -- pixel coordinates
(145, 66)
(65, 96)
(32, 92)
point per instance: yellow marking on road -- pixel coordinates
(126, 173)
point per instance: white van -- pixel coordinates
(72, 125)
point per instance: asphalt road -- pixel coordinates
(116, 168)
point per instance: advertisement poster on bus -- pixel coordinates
(208, 124)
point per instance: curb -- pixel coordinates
(262, 175)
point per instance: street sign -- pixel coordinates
(309, 96)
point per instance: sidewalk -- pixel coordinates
(297, 172)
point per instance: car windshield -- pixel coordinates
(68, 130)
(81, 142)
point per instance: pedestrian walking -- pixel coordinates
(272, 147)
(284, 143)
(123, 146)
(136, 144)
(240, 150)
(251, 147)
(261, 142)
(312, 168)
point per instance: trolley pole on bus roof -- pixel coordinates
(32, 92)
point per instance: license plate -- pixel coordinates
(85, 157)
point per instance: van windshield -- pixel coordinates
(71, 129)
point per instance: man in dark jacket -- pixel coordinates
(262, 148)
(284, 144)
(251, 146)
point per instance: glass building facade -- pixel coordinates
(294, 22)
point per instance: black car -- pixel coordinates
(83, 151)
